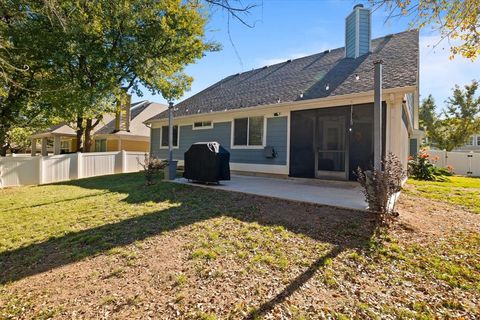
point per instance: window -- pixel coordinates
(101, 145)
(248, 131)
(478, 141)
(469, 141)
(202, 125)
(65, 147)
(164, 137)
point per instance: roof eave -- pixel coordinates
(405, 89)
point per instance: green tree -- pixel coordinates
(427, 112)
(92, 52)
(460, 120)
(458, 20)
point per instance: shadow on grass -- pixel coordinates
(55, 202)
(341, 228)
(293, 286)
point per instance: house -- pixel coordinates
(122, 131)
(472, 144)
(311, 117)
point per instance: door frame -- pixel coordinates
(325, 174)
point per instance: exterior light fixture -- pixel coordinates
(357, 77)
(301, 95)
(327, 87)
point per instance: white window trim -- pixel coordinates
(202, 127)
(178, 137)
(264, 133)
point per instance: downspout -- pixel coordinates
(377, 116)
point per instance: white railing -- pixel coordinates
(22, 170)
(463, 163)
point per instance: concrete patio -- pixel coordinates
(332, 193)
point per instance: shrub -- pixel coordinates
(152, 166)
(380, 187)
(423, 167)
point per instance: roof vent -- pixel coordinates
(326, 51)
(358, 32)
(265, 67)
(289, 60)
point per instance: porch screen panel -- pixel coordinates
(302, 132)
(361, 139)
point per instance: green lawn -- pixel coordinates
(112, 247)
(462, 191)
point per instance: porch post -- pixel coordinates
(377, 116)
(170, 132)
(56, 144)
(171, 169)
(44, 147)
(34, 147)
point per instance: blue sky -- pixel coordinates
(291, 29)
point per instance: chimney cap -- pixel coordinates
(358, 6)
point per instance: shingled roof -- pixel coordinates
(307, 78)
(136, 108)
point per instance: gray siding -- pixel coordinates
(364, 25)
(363, 33)
(350, 36)
(221, 132)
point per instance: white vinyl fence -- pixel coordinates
(463, 163)
(22, 170)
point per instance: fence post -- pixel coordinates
(40, 170)
(124, 161)
(79, 165)
(470, 157)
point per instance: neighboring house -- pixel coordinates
(123, 131)
(473, 144)
(315, 112)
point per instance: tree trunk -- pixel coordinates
(88, 135)
(3, 150)
(3, 139)
(80, 131)
(89, 126)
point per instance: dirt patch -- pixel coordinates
(434, 218)
(255, 257)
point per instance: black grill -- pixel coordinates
(207, 162)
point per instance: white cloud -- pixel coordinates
(439, 74)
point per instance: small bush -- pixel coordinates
(152, 166)
(422, 167)
(379, 187)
